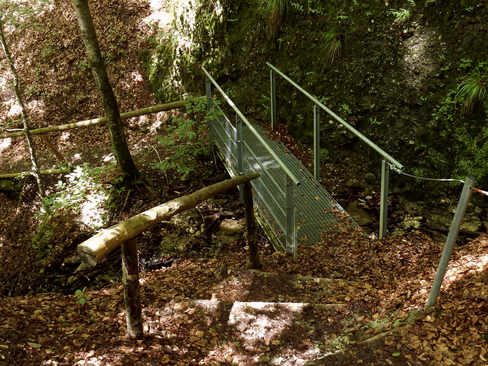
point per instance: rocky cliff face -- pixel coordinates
(392, 69)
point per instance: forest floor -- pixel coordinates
(373, 287)
(331, 298)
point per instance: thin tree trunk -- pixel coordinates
(132, 298)
(111, 109)
(25, 116)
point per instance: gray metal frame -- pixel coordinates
(451, 240)
(243, 149)
(388, 159)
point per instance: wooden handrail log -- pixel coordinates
(95, 121)
(43, 172)
(101, 244)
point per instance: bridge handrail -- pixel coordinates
(229, 101)
(375, 147)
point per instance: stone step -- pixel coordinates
(252, 285)
(274, 333)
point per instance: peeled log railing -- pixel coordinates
(98, 246)
(95, 121)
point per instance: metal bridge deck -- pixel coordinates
(315, 209)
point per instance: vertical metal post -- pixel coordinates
(238, 142)
(208, 94)
(451, 240)
(272, 80)
(385, 183)
(291, 237)
(316, 142)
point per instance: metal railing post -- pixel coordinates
(366, 140)
(208, 94)
(316, 142)
(238, 141)
(291, 237)
(272, 80)
(385, 183)
(451, 240)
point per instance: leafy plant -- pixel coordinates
(473, 88)
(374, 121)
(401, 15)
(346, 109)
(314, 7)
(465, 64)
(80, 194)
(333, 45)
(184, 139)
(82, 297)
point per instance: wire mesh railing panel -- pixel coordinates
(223, 135)
(269, 194)
(316, 209)
(293, 207)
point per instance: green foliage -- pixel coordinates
(19, 14)
(465, 64)
(47, 51)
(70, 194)
(374, 121)
(473, 88)
(314, 7)
(159, 61)
(401, 15)
(82, 297)
(333, 45)
(345, 109)
(80, 186)
(43, 235)
(324, 154)
(184, 139)
(458, 145)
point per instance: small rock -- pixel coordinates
(361, 216)
(471, 224)
(232, 226)
(353, 183)
(230, 230)
(370, 178)
(440, 221)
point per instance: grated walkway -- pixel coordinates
(316, 210)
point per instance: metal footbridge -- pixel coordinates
(291, 204)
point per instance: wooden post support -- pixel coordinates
(130, 279)
(254, 262)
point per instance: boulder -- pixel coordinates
(230, 230)
(360, 215)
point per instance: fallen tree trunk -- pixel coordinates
(95, 121)
(98, 246)
(25, 174)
